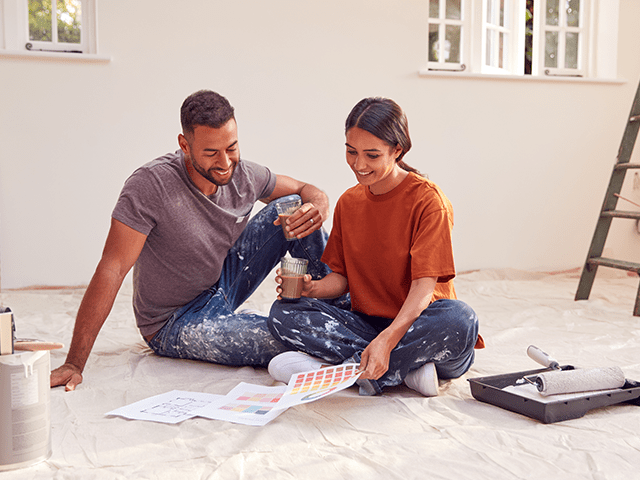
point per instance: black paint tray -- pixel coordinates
(489, 390)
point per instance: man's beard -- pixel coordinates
(209, 174)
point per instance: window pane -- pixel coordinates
(434, 8)
(433, 42)
(489, 51)
(553, 12)
(452, 44)
(503, 50)
(69, 21)
(571, 51)
(40, 20)
(454, 9)
(573, 13)
(551, 49)
(495, 12)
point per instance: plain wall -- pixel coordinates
(525, 163)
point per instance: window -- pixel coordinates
(446, 35)
(524, 37)
(51, 26)
(55, 25)
(563, 37)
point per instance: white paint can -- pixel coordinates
(25, 412)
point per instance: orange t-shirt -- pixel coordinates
(381, 243)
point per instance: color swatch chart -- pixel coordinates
(314, 385)
(253, 402)
(247, 404)
(323, 379)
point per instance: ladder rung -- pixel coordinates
(620, 214)
(626, 166)
(619, 264)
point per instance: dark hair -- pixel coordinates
(205, 108)
(385, 119)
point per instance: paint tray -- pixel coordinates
(490, 390)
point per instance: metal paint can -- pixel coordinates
(25, 411)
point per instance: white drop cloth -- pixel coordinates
(399, 435)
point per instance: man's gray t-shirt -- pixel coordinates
(188, 233)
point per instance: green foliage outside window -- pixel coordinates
(68, 17)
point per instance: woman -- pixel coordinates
(390, 249)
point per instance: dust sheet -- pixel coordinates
(398, 435)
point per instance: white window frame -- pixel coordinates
(597, 49)
(54, 45)
(513, 29)
(442, 23)
(14, 34)
(540, 29)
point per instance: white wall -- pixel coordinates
(525, 163)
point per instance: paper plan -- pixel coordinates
(170, 407)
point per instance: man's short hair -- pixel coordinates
(205, 108)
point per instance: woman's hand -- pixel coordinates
(374, 360)
(331, 286)
(306, 284)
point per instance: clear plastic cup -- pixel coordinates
(292, 272)
(285, 210)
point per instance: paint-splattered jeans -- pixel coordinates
(208, 329)
(445, 334)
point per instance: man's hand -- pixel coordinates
(315, 205)
(306, 220)
(68, 375)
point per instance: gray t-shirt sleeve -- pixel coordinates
(139, 202)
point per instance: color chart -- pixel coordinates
(309, 386)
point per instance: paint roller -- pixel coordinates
(558, 380)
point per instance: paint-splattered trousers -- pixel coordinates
(208, 328)
(445, 333)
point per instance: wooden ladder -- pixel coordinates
(609, 212)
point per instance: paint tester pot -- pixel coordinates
(25, 413)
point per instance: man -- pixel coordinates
(182, 222)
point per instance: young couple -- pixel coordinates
(390, 249)
(182, 222)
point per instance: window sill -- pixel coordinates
(519, 78)
(63, 56)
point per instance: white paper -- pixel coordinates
(247, 404)
(170, 407)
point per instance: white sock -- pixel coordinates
(423, 380)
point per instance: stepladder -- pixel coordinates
(610, 211)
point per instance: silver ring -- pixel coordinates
(311, 220)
